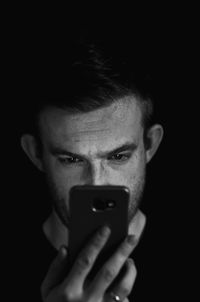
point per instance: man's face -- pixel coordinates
(102, 147)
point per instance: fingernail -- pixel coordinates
(104, 231)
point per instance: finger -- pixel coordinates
(85, 260)
(112, 267)
(125, 285)
(55, 272)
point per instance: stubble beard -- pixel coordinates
(136, 198)
(58, 203)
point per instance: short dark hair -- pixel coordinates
(91, 78)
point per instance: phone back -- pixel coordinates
(92, 207)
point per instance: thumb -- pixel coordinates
(55, 272)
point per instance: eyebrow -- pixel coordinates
(125, 147)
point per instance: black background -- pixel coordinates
(167, 46)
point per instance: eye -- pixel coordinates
(69, 160)
(120, 157)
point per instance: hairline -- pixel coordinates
(131, 97)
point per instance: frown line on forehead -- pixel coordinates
(91, 131)
(127, 146)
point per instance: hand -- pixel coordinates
(74, 287)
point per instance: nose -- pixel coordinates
(97, 175)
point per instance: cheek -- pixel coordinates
(56, 177)
(61, 179)
(134, 170)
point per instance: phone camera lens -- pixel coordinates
(99, 205)
(110, 204)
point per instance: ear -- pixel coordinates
(29, 145)
(154, 138)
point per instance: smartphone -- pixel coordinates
(92, 207)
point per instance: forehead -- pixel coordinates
(118, 122)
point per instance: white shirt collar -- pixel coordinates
(57, 233)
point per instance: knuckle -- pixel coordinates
(84, 261)
(97, 243)
(125, 249)
(109, 274)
